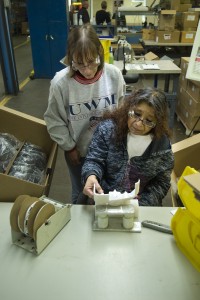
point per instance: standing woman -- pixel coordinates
(78, 97)
(132, 143)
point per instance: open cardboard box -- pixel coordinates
(26, 128)
(186, 153)
(194, 181)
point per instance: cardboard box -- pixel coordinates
(193, 88)
(184, 64)
(26, 128)
(183, 81)
(186, 153)
(166, 20)
(151, 56)
(189, 20)
(184, 7)
(193, 180)
(191, 105)
(167, 36)
(187, 36)
(175, 4)
(188, 120)
(148, 34)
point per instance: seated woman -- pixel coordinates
(132, 143)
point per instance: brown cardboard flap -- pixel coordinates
(194, 181)
(186, 153)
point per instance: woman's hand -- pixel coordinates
(89, 186)
(74, 156)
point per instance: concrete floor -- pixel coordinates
(32, 99)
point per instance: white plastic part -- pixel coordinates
(116, 198)
(102, 221)
(128, 222)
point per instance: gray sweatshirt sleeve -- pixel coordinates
(56, 119)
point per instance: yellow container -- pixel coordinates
(106, 46)
(187, 195)
(186, 231)
(185, 223)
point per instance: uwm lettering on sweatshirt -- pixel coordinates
(91, 107)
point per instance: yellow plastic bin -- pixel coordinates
(106, 46)
(185, 224)
(186, 231)
(185, 192)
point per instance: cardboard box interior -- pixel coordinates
(26, 128)
(186, 153)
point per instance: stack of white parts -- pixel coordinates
(117, 211)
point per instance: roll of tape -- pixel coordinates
(15, 212)
(42, 216)
(33, 213)
(30, 217)
(23, 209)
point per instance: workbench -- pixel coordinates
(82, 264)
(149, 44)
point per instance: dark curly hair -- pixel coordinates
(155, 98)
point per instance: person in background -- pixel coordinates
(79, 94)
(71, 15)
(132, 143)
(83, 15)
(102, 15)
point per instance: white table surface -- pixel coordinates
(166, 67)
(81, 264)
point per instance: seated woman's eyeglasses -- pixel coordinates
(137, 117)
(91, 65)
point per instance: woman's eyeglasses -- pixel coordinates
(92, 65)
(137, 117)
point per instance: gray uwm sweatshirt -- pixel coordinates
(75, 105)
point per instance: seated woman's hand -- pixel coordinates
(89, 186)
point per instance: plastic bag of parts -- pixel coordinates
(28, 173)
(30, 164)
(8, 148)
(32, 155)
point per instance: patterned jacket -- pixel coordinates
(111, 165)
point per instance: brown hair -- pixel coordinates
(104, 5)
(84, 46)
(154, 98)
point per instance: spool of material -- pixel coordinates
(30, 217)
(15, 212)
(23, 209)
(42, 216)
